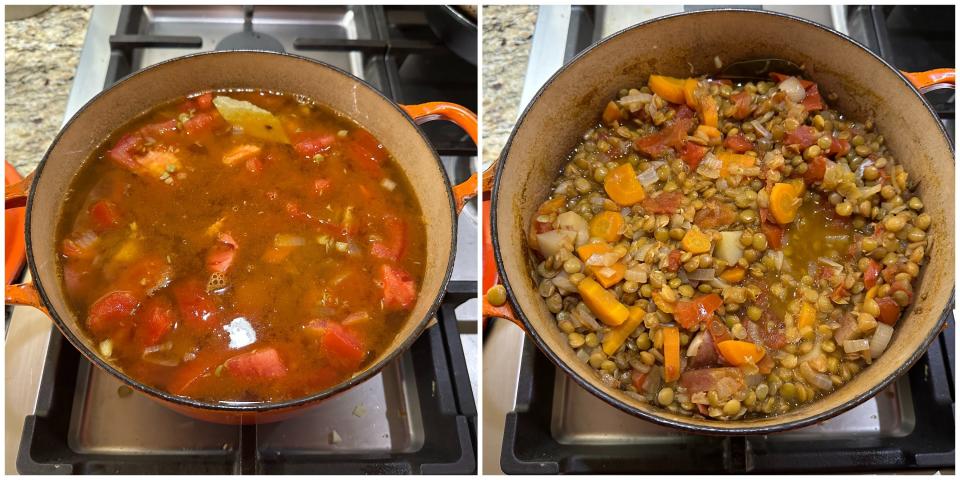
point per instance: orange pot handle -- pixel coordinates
(932, 79)
(25, 293)
(491, 278)
(465, 119)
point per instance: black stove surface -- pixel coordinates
(408, 63)
(912, 39)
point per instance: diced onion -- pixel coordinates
(633, 275)
(695, 345)
(648, 177)
(819, 380)
(762, 131)
(791, 86)
(710, 166)
(607, 272)
(830, 263)
(702, 274)
(584, 316)
(106, 348)
(388, 184)
(287, 240)
(602, 259)
(870, 191)
(158, 348)
(562, 281)
(880, 339)
(555, 240)
(858, 345)
(777, 258)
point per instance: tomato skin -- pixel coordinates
(691, 312)
(111, 312)
(105, 215)
(195, 307)
(838, 147)
(221, 255)
(738, 143)
(399, 290)
(262, 363)
(870, 276)
(155, 319)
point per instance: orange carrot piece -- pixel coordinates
(607, 225)
(671, 354)
(669, 88)
(623, 186)
(738, 352)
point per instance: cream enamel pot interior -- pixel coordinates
(680, 45)
(392, 124)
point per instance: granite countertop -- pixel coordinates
(42, 53)
(507, 33)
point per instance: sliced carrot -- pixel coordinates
(733, 275)
(615, 337)
(611, 113)
(709, 111)
(240, 153)
(689, 89)
(669, 88)
(696, 242)
(622, 185)
(784, 203)
(609, 278)
(607, 225)
(730, 159)
(738, 352)
(671, 354)
(588, 250)
(808, 316)
(552, 205)
(602, 303)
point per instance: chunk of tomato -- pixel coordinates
(160, 130)
(221, 255)
(394, 242)
(366, 153)
(889, 310)
(804, 136)
(111, 312)
(202, 123)
(124, 150)
(263, 363)
(870, 276)
(738, 143)
(816, 169)
(310, 144)
(205, 101)
(692, 154)
(342, 346)
(155, 320)
(741, 102)
(105, 215)
(399, 290)
(195, 307)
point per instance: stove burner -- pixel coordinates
(248, 39)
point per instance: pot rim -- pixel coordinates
(247, 407)
(719, 428)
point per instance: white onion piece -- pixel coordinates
(729, 248)
(777, 258)
(607, 272)
(880, 339)
(762, 131)
(636, 98)
(585, 317)
(710, 166)
(791, 86)
(694, 347)
(830, 262)
(858, 345)
(870, 191)
(602, 259)
(555, 240)
(702, 274)
(819, 380)
(562, 281)
(633, 275)
(574, 222)
(648, 177)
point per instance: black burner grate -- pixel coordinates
(401, 38)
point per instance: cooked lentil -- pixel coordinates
(755, 249)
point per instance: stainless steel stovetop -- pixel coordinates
(378, 417)
(579, 417)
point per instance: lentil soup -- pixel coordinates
(728, 251)
(241, 246)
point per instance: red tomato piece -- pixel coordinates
(205, 101)
(738, 143)
(76, 276)
(394, 242)
(155, 320)
(637, 378)
(195, 307)
(201, 123)
(664, 202)
(220, 256)
(804, 136)
(399, 291)
(889, 310)
(672, 136)
(673, 260)
(79, 245)
(258, 364)
(838, 147)
(343, 347)
(741, 102)
(812, 101)
(718, 330)
(366, 153)
(691, 312)
(112, 311)
(124, 150)
(321, 185)
(311, 144)
(105, 215)
(774, 234)
(870, 276)
(161, 130)
(692, 154)
(815, 170)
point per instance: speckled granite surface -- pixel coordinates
(41, 58)
(507, 32)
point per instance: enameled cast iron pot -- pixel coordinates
(394, 125)
(684, 45)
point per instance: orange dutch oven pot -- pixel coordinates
(43, 191)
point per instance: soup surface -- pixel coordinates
(241, 246)
(729, 251)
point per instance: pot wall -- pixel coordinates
(684, 45)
